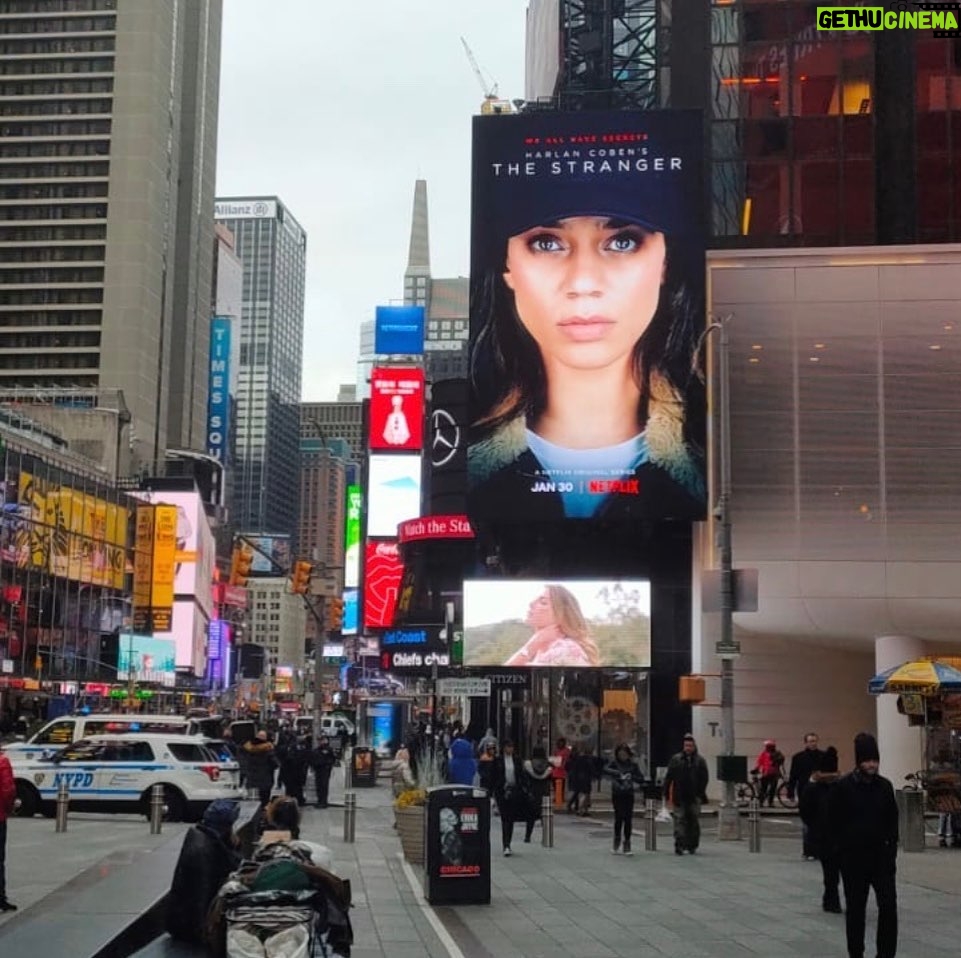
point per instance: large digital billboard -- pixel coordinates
(150, 659)
(587, 306)
(575, 623)
(399, 330)
(393, 493)
(351, 616)
(397, 408)
(277, 547)
(355, 501)
(382, 574)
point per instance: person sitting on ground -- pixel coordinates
(207, 857)
(281, 821)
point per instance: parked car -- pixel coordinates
(66, 729)
(117, 772)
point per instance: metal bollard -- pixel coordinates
(350, 816)
(754, 825)
(547, 822)
(650, 826)
(157, 809)
(63, 805)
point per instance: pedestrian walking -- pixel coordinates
(485, 765)
(625, 774)
(580, 775)
(461, 766)
(507, 781)
(803, 765)
(8, 796)
(685, 786)
(537, 785)
(562, 752)
(294, 766)
(814, 809)
(863, 817)
(769, 766)
(261, 766)
(208, 855)
(322, 761)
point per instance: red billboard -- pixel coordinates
(435, 527)
(382, 574)
(397, 408)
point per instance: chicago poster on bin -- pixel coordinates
(587, 391)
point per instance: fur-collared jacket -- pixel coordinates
(503, 473)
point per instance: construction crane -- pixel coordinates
(492, 103)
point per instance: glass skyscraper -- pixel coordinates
(272, 246)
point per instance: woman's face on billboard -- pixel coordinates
(586, 288)
(540, 613)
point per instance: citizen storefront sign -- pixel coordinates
(394, 660)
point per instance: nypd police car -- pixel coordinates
(117, 773)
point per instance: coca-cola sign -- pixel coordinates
(382, 574)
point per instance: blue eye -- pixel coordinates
(625, 242)
(545, 243)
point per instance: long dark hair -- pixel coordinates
(507, 374)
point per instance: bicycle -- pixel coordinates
(746, 792)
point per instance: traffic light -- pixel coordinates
(241, 560)
(335, 614)
(300, 578)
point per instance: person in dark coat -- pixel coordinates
(814, 808)
(624, 774)
(322, 760)
(293, 769)
(507, 783)
(207, 857)
(261, 766)
(685, 786)
(803, 765)
(538, 773)
(863, 817)
(580, 774)
(462, 766)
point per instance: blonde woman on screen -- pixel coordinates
(561, 633)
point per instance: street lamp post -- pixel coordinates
(729, 820)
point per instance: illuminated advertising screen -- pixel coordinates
(397, 408)
(572, 624)
(587, 306)
(277, 547)
(351, 618)
(393, 493)
(149, 659)
(382, 574)
(352, 537)
(399, 330)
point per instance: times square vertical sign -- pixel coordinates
(218, 402)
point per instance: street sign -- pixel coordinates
(477, 688)
(731, 651)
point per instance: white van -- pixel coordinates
(68, 729)
(331, 725)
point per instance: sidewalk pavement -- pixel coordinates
(40, 861)
(577, 900)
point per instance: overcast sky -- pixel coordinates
(337, 108)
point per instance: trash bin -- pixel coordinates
(911, 819)
(363, 767)
(458, 852)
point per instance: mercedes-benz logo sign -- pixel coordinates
(445, 438)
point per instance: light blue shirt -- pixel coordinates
(570, 471)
